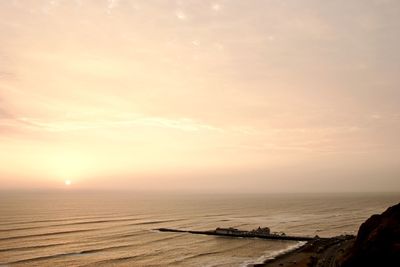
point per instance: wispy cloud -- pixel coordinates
(180, 14)
(111, 4)
(4, 113)
(182, 124)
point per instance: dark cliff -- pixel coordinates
(378, 241)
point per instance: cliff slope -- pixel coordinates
(378, 241)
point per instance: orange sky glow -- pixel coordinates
(210, 96)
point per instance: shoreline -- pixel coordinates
(309, 251)
(323, 252)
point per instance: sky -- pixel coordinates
(200, 96)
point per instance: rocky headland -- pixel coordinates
(377, 244)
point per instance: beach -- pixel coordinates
(319, 252)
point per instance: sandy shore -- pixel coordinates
(320, 252)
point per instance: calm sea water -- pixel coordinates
(102, 229)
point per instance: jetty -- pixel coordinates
(263, 233)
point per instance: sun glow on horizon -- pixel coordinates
(201, 95)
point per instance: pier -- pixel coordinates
(232, 232)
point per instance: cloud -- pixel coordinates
(6, 75)
(180, 15)
(4, 113)
(8, 124)
(111, 4)
(216, 7)
(182, 124)
(376, 116)
(308, 140)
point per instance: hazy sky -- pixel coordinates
(214, 96)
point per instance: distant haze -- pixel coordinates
(208, 96)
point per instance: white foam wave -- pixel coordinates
(273, 255)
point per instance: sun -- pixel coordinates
(67, 182)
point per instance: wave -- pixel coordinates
(32, 247)
(51, 220)
(115, 260)
(76, 253)
(273, 255)
(43, 258)
(157, 222)
(46, 234)
(216, 215)
(196, 256)
(67, 224)
(183, 259)
(344, 226)
(87, 230)
(83, 252)
(90, 222)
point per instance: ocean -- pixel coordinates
(68, 228)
